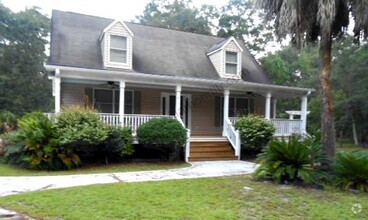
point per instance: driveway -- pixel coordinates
(15, 185)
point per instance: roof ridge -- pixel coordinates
(136, 23)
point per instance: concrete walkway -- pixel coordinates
(15, 185)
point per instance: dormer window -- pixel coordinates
(117, 46)
(226, 57)
(118, 49)
(231, 65)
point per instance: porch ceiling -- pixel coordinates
(93, 76)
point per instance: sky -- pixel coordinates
(124, 10)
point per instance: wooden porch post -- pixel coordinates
(57, 90)
(177, 101)
(121, 102)
(226, 109)
(303, 115)
(268, 106)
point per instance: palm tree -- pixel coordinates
(319, 20)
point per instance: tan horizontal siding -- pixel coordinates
(72, 94)
(150, 101)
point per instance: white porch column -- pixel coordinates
(226, 109)
(268, 106)
(274, 108)
(121, 102)
(57, 90)
(303, 114)
(177, 101)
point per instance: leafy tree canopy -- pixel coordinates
(23, 82)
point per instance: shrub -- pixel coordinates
(165, 134)
(255, 132)
(81, 129)
(292, 160)
(8, 121)
(351, 170)
(34, 145)
(119, 143)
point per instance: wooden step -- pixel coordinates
(211, 150)
(192, 159)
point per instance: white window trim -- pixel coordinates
(167, 106)
(109, 50)
(238, 65)
(113, 95)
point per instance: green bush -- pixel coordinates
(291, 160)
(80, 126)
(255, 132)
(34, 145)
(119, 143)
(8, 121)
(351, 170)
(165, 134)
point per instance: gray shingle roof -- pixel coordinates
(75, 42)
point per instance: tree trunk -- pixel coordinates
(327, 116)
(355, 135)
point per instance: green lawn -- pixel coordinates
(8, 170)
(207, 198)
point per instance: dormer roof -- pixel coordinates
(222, 44)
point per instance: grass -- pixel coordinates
(9, 170)
(207, 198)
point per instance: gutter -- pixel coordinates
(120, 75)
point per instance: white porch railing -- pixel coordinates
(233, 136)
(133, 121)
(110, 118)
(284, 127)
(187, 144)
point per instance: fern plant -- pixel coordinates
(291, 160)
(34, 145)
(351, 170)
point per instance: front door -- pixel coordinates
(168, 106)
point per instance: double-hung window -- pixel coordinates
(107, 101)
(118, 49)
(231, 65)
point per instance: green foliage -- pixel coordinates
(165, 134)
(351, 170)
(34, 145)
(8, 121)
(255, 132)
(239, 19)
(179, 15)
(119, 143)
(24, 86)
(77, 125)
(290, 160)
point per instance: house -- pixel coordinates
(204, 82)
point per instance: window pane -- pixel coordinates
(242, 106)
(129, 97)
(118, 42)
(118, 56)
(104, 108)
(102, 95)
(231, 68)
(231, 57)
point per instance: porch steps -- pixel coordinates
(210, 149)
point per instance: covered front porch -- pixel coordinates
(208, 109)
